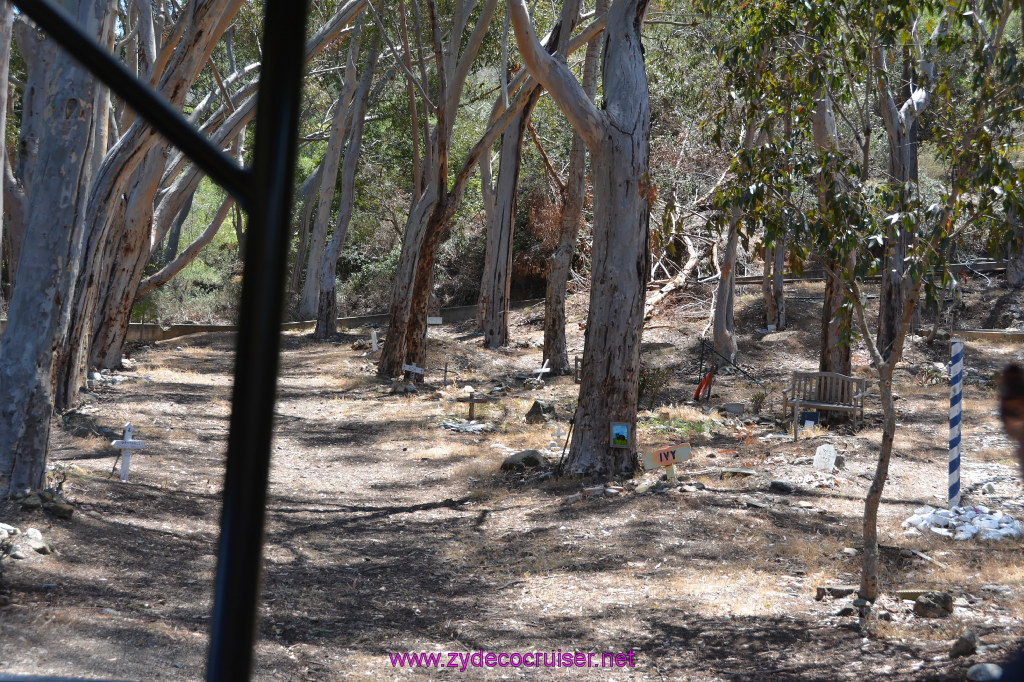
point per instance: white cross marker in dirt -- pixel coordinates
(126, 445)
(557, 435)
(413, 368)
(543, 370)
(373, 340)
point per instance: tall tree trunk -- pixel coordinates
(556, 353)
(494, 289)
(328, 181)
(6, 34)
(174, 234)
(834, 351)
(771, 287)
(307, 195)
(38, 314)
(125, 171)
(1015, 260)
(410, 292)
(618, 136)
(723, 334)
(328, 300)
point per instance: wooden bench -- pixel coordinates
(824, 391)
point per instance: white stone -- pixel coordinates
(33, 534)
(825, 458)
(945, 532)
(9, 529)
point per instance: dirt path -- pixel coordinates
(388, 534)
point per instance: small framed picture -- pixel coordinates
(620, 435)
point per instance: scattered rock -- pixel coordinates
(733, 408)
(965, 645)
(840, 461)
(988, 488)
(730, 472)
(850, 551)
(781, 487)
(541, 411)
(60, 510)
(847, 611)
(861, 603)
(40, 546)
(933, 605)
(533, 383)
(834, 591)
(33, 534)
(886, 616)
(644, 487)
(10, 529)
(524, 459)
(825, 458)
(984, 672)
(964, 523)
(31, 502)
(911, 594)
(16, 553)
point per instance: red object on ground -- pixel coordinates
(703, 387)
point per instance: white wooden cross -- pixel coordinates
(126, 445)
(412, 368)
(557, 436)
(543, 370)
(373, 340)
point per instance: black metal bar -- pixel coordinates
(143, 99)
(239, 563)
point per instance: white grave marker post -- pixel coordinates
(373, 340)
(543, 370)
(126, 445)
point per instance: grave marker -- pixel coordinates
(825, 458)
(576, 369)
(667, 456)
(413, 368)
(473, 399)
(373, 341)
(543, 370)
(433, 322)
(125, 446)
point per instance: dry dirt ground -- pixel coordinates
(387, 533)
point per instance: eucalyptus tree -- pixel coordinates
(904, 24)
(326, 312)
(58, 137)
(141, 185)
(617, 135)
(573, 193)
(428, 217)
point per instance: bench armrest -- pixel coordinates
(860, 395)
(787, 390)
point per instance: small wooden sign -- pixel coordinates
(412, 368)
(619, 437)
(666, 456)
(435, 320)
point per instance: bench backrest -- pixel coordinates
(827, 387)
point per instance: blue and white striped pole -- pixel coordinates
(956, 388)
